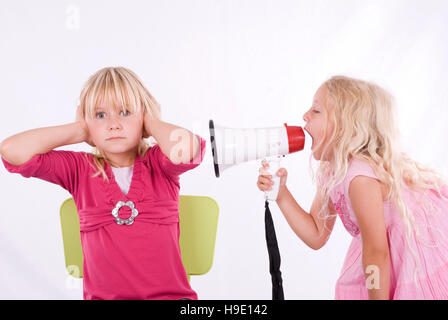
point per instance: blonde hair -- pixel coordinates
(363, 115)
(121, 88)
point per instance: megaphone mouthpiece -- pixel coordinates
(296, 138)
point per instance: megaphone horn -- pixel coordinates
(231, 146)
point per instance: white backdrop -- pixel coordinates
(242, 64)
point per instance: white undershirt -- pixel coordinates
(123, 176)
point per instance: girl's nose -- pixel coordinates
(114, 124)
(305, 117)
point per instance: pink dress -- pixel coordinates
(431, 245)
(137, 261)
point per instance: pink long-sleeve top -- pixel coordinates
(137, 261)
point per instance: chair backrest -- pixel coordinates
(198, 220)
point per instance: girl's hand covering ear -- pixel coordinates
(146, 119)
(84, 128)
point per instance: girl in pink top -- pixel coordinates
(129, 222)
(395, 209)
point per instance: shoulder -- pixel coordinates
(360, 169)
(157, 159)
(362, 179)
(153, 150)
(153, 156)
(359, 166)
(363, 187)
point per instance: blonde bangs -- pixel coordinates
(112, 87)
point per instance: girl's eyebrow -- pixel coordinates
(103, 109)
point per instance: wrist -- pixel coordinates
(148, 124)
(81, 130)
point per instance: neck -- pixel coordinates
(125, 159)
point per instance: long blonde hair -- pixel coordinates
(121, 88)
(363, 115)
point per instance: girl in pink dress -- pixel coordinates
(126, 192)
(395, 209)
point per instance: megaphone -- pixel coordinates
(231, 146)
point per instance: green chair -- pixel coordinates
(198, 220)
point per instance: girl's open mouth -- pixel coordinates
(312, 139)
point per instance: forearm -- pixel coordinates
(21, 147)
(377, 273)
(178, 144)
(301, 222)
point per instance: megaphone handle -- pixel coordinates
(274, 165)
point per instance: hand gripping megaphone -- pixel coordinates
(231, 146)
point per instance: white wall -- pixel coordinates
(241, 63)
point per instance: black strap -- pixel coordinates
(274, 255)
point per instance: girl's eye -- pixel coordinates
(315, 111)
(100, 115)
(127, 113)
